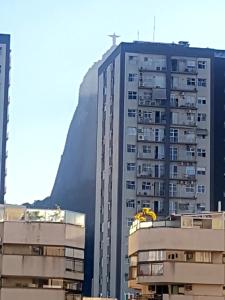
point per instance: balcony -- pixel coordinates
(152, 68)
(185, 123)
(147, 121)
(183, 66)
(145, 101)
(182, 105)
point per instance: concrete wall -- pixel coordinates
(34, 294)
(43, 234)
(168, 238)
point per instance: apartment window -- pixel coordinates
(173, 135)
(0, 50)
(129, 222)
(146, 149)
(201, 117)
(72, 252)
(201, 152)
(146, 185)
(130, 185)
(131, 148)
(132, 76)
(146, 168)
(73, 265)
(132, 131)
(132, 95)
(154, 255)
(131, 113)
(183, 206)
(201, 64)
(132, 59)
(147, 115)
(145, 203)
(172, 189)
(130, 203)
(144, 269)
(201, 100)
(203, 257)
(201, 171)
(190, 171)
(202, 82)
(190, 188)
(201, 189)
(157, 269)
(173, 171)
(173, 153)
(130, 166)
(190, 151)
(191, 81)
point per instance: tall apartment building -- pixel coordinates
(155, 144)
(181, 259)
(42, 254)
(4, 100)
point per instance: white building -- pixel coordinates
(153, 146)
(4, 100)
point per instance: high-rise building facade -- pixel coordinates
(42, 254)
(155, 146)
(178, 259)
(4, 100)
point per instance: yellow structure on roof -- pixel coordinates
(144, 214)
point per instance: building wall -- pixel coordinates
(4, 85)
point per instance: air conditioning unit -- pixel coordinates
(141, 137)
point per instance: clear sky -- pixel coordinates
(53, 43)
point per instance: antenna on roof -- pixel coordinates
(154, 30)
(138, 35)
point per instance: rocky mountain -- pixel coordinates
(74, 187)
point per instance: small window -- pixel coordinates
(201, 100)
(191, 81)
(201, 117)
(129, 222)
(146, 149)
(130, 166)
(190, 188)
(146, 185)
(130, 203)
(201, 64)
(201, 189)
(201, 82)
(131, 113)
(132, 95)
(132, 77)
(201, 152)
(201, 171)
(131, 148)
(132, 131)
(130, 185)
(145, 203)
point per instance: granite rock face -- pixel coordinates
(74, 186)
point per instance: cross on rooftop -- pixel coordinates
(114, 37)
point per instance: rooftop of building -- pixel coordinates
(206, 220)
(182, 48)
(20, 213)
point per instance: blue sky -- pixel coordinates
(53, 44)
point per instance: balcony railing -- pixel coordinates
(151, 102)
